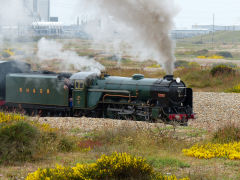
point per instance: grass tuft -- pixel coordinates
(228, 133)
(163, 162)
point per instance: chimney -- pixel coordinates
(168, 77)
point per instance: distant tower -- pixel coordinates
(35, 6)
(39, 10)
(78, 21)
(44, 9)
(36, 15)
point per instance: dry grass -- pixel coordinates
(161, 146)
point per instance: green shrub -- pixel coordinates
(114, 58)
(225, 54)
(222, 69)
(66, 144)
(228, 133)
(18, 142)
(202, 52)
(23, 140)
(181, 63)
(225, 64)
(193, 64)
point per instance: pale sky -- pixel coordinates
(191, 12)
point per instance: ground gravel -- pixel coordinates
(213, 110)
(216, 109)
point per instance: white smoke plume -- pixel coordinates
(13, 14)
(144, 24)
(52, 50)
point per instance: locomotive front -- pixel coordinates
(173, 99)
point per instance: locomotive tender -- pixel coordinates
(92, 95)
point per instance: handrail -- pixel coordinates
(119, 95)
(109, 91)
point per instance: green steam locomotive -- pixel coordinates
(92, 95)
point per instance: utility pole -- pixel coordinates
(213, 29)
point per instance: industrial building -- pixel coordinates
(217, 27)
(47, 28)
(39, 10)
(186, 33)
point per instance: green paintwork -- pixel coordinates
(98, 89)
(58, 96)
(93, 98)
(121, 83)
(79, 99)
(79, 94)
(7, 67)
(143, 86)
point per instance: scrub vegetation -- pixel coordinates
(22, 140)
(121, 152)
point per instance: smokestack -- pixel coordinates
(168, 77)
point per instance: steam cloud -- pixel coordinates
(12, 13)
(15, 14)
(51, 49)
(144, 24)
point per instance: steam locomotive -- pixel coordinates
(92, 95)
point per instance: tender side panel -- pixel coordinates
(10, 67)
(36, 90)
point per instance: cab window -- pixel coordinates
(79, 84)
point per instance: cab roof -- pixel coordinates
(84, 76)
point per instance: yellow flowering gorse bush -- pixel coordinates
(117, 165)
(9, 52)
(211, 57)
(235, 89)
(154, 66)
(44, 127)
(172, 177)
(211, 150)
(10, 117)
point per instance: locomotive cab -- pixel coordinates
(81, 81)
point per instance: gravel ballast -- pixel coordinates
(213, 110)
